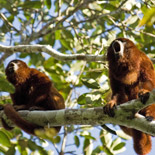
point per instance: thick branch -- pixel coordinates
(48, 49)
(125, 115)
(8, 50)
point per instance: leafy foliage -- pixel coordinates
(84, 27)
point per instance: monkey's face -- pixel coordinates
(12, 67)
(14, 70)
(120, 49)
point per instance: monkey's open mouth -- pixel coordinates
(118, 47)
(11, 68)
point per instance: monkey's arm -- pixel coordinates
(40, 87)
(118, 94)
(44, 93)
(147, 83)
(147, 74)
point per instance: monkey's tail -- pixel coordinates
(13, 115)
(142, 142)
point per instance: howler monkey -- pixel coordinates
(33, 91)
(131, 75)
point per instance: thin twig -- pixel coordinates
(78, 77)
(7, 22)
(63, 146)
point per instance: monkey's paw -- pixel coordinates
(109, 108)
(144, 96)
(35, 108)
(149, 118)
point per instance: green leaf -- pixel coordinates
(7, 133)
(57, 34)
(105, 137)
(3, 149)
(48, 3)
(49, 63)
(90, 98)
(107, 150)
(22, 145)
(56, 139)
(115, 142)
(66, 39)
(97, 150)
(89, 137)
(87, 12)
(87, 147)
(65, 43)
(82, 99)
(90, 83)
(42, 151)
(76, 66)
(11, 150)
(148, 18)
(5, 85)
(56, 72)
(132, 20)
(86, 143)
(37, 59)
(119, 146)
(32, 4)
(32, 146)
(77, 141)
(4, 139)
(123, 135)
(66, 34)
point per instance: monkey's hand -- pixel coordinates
(109, 108)
(143, 95)
(36, 108)
(148, 112)
(20, 107)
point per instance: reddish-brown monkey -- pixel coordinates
(131, 74)
(33, 91)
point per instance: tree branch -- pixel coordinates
(8, 50)
(125, 115)
(59, 20)
(7, 22)
(48, 49)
